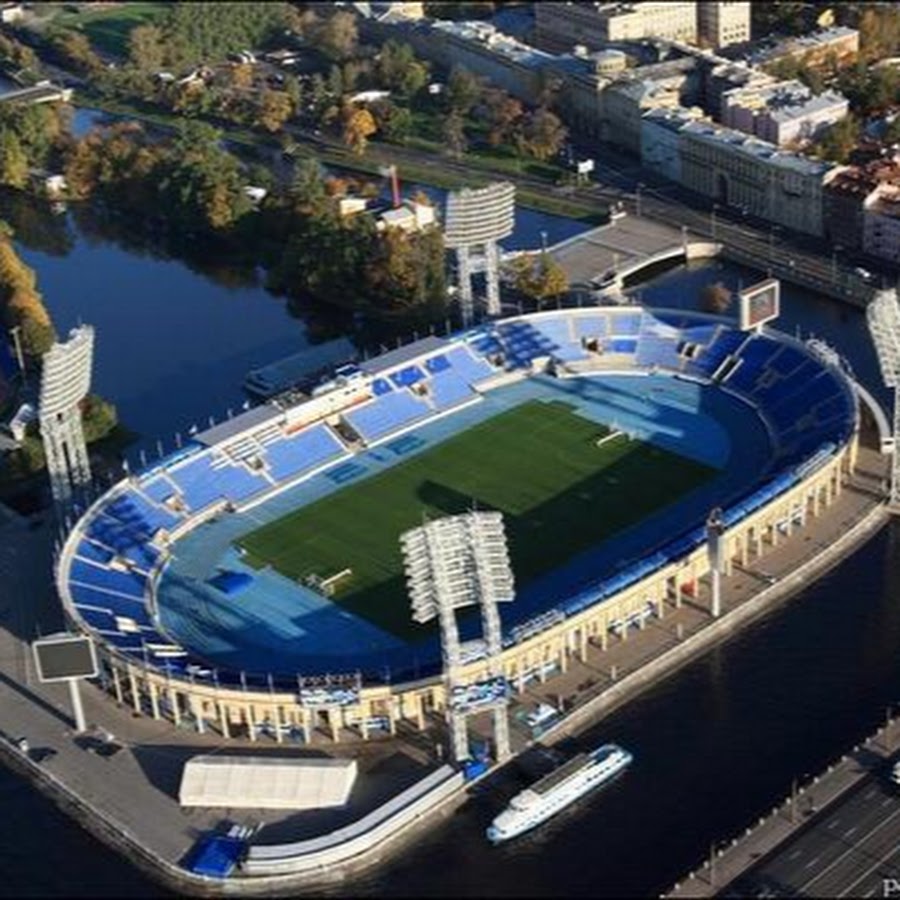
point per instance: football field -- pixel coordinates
(562, 481)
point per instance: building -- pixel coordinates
(839, 44)
(721, 23)
(849, 190)
(11, 12)
(737, 170)
(661, 139)
(785, 113)
(561, 26)
(881, 222)
(485, 51)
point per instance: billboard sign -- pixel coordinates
(760, 303)
(62, 657)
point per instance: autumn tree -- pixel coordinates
(502, 112)
(359, 126)
(463, 89)
(454, 134)
(146, 50)
(273, 110)
(13, 161)
(542, 134)
(76, 51)
(539, 277)
(715, 298)
(337, 36)
(20, 302)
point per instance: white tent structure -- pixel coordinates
(263, 782)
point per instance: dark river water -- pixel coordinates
(715, 745)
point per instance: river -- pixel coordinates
(716, 744)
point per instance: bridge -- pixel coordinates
(42, 92)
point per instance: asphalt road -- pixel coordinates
(851, 850)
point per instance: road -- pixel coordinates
(848, 851)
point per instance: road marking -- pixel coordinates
(886, 802)
(795, 854)
(850, 831)
(869, 871)
(837, 859)
(833, 823)
(812, 862)
(869, 793)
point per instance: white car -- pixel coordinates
(865, 274)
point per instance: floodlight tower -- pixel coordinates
(65, 382)
(715, 528)
(452, 563)
(883, 317)
(479, 218)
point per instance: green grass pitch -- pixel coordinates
(538, 463)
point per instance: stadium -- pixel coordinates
(252, 582)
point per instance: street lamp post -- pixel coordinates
(637, 198)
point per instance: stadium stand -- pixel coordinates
(809, 409)
(302, 452)
(385, 414)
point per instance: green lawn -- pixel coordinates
(538, 463)
(107, 29)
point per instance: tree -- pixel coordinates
(21, 303)
(503, 112)
(715, 298)
(76, 51)
(454, 133)
(359, 126)
(538, 277)
(307, 190)
(146, 50)
(337, 36)
(394, 122)
(398, 70)
(839, 141)
(542, 134)
(463, 89)
(273, 110)
(13, 161)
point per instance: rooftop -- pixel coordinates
(485, 33)
(786, 100)
(753, 146)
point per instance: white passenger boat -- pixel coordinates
(554, 792)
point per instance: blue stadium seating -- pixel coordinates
(591, 326)
(202, 485)
(626, 324)
(786, 360)
(449, 390)
(656, 350)
(407, 377)
(381, 386)
(132, 607)
(129, 583)
(710, 358)
(386, 414)
(95, 553)
(523, 342)
(158, 489)
(438, 363)
(131, 507)
(484, 342)
(621, 345)
(468, 367)
(302, 452)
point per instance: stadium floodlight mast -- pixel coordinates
(479, 218)
(65, 382)
(883, 317)
(452, 563)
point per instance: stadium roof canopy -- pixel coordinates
(403, 354)
(237, 425)
(263, 782)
